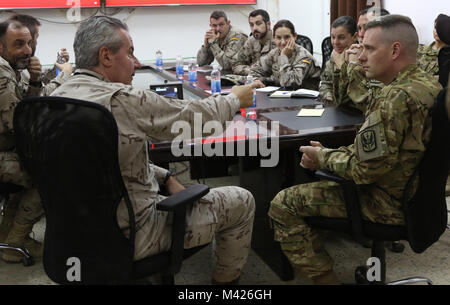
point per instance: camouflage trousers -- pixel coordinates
(26, 203)
(299, 242)
(224, 217)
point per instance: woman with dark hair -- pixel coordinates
(344, 33)
(288, 65)
(427, 56)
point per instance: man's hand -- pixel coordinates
(245, 94)
(353, 53)
(65, 67)
(310, 158)
(35, 69)
(210, 35)
(173, 186)
(289, 48)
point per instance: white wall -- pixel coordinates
(178, 29)
(422, 14)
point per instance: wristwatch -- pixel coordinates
(168, 175)
(37, 84)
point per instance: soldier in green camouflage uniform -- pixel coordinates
(24, 209)
(258, 45)
(387, 149)
(222, 42)
(289, 65)
(224, 215)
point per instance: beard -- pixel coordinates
(21, 62)
(260, 35)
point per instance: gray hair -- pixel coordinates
(397, 28)
(94, 33)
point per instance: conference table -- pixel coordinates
(263, 150)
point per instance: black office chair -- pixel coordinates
(327, 49)
(305, 42)
(6, 189)
(70, 149)
(425, 213)
(444, 65)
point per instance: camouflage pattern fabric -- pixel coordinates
(301, 70)
(47, 88)
(143, 115)
(251, 52)
(224, 51)
(427, 59)
(387, 149)
(326, 88)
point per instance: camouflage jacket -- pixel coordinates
(250, 54)
(224, 51)
(47, 88)
(392, 140)
(427, 59)
(299, 71)
(352, 88)
(143, 115)
(12, 92)
(326, 87)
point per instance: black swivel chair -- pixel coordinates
(70, 149)
(6, 189)
(305, 42)
(327, 49)
(444, 65)
(425, 213)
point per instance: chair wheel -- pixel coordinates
(27, 261)
(361, 275)
(396, 247)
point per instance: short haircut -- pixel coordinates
(4, 29)
(29, 21)
(348, 23)
(94, 33)
(218, 14)
(284, 24)
(265, 15)
(377, 10)
(397, 28)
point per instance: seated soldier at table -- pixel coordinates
(387, 149)
(289, 65)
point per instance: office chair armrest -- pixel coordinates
(351, 199)
(181, 199)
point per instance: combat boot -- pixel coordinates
(19, 237)
(6, 223)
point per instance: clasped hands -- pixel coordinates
(310, 158)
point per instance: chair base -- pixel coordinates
(27, 259)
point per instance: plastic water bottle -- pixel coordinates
(193, 68)
(159, 60)
(179, 68)
(215, 81)
(251, 113)
(60, 60)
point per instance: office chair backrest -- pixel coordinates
(444, 65)
(327, 48)
(305, 42)
(426, 212)
(69, 147)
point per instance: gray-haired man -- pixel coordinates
(105, 68)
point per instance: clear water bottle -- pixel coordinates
(179, 68)
(251, 113)
(159, 60)
(215, 81)
(60, 60)
(193, 68)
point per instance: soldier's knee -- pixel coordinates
(247, 199)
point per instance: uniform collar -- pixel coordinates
(91, 73)
(404, 74)
(7, 66)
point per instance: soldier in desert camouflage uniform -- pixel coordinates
(225, 214)
(289, 65)
(222, 42)
(344, 33)
(387, 149)
(24, 209)
(258, 45)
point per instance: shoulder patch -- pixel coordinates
(306, 61)
(234, 38)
